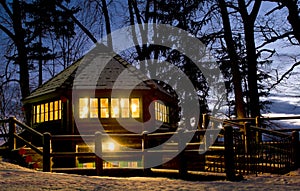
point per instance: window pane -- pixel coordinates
(38, 111)
(161, 112)
(83, 107)
(125, 107)
(114, 108)
(135, 107)
(93, 107)
(104, 113)
(59, 109)
(42, 113)
(156, 111)
(56, 110)
(46, 112)
(51, 111)
(167, 115)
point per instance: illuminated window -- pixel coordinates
(115, 108)
(88, 108)
(104, 109)
(47, 112)
(57, 110)
(161, 112)
(42, 113)
(51, 111)
(83, 107)
(38, 111)
(135, 107)
(124, 107)
(93, 107)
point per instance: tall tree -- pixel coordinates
(25, 25)
(234, 60)
(17, 34)
(248, 23)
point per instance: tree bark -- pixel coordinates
(22, 59)
(236, 75)
(293, 17)
(248, 23)
(107, 24)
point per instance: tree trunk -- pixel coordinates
(252, 72)
(293, 17)
(236, 75)
(107, 24)
(248, 22)
(22, 59)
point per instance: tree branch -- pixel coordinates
(285, 75)
(274, 39)
(77, 22)
(6, 31)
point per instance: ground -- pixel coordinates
(14, 177)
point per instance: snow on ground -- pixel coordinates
(13, 177)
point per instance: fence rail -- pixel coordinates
(236, 148)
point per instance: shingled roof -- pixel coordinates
(110, 73)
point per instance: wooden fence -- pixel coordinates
(238, 148)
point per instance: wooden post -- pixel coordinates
(12, 131)
(296, 149)
(229, 153)
(205, 121)
(181, 157)
(98, 152)
(144, 151)
(258, 134)
(248, 137)
(46, 152)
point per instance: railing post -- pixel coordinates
(181, 157)
(247, 134)
(229, 153)
(144, 151)
(296, 149)
(258, 134)
(46, 152)
(98, 152)
(205, 121)
(12, 131)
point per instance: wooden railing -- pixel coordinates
(234, 152)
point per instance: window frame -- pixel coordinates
(162, 112)
(106, 111)
(43, 112)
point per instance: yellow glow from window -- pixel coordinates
(161, 112)
(114, 107)
(46, 111)
(42, 113)
(124, 107)
(51, 111)
(83, 108)
(38, 111)
(56, 110)
(135, 107)
(104, 112)
(93, 107)
(59, 109)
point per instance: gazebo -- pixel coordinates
(150, 105)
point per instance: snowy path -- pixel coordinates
(13, 177)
